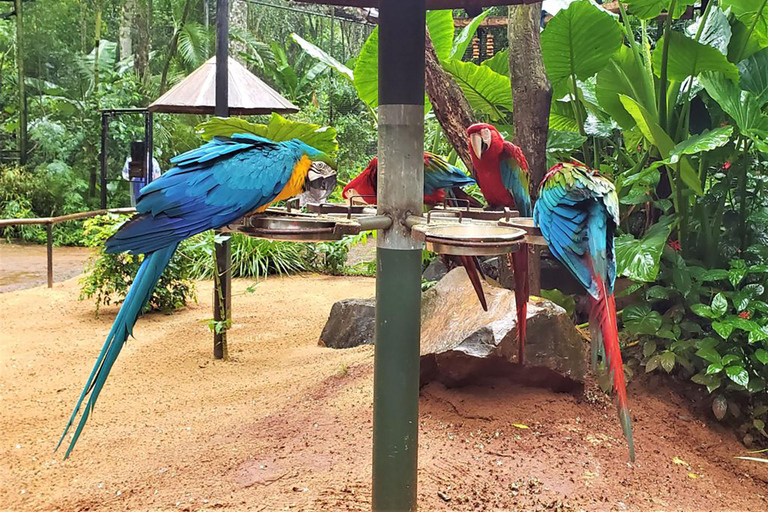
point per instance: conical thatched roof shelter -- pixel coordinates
(248, 95)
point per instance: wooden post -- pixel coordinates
(49, 236)
(532, 96)
(222, 290)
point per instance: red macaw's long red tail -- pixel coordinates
(605, 334)
(519, 262)
(472, 266)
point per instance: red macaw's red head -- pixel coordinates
(363, 185)
(485, 142)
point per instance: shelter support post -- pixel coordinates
(149, 136)
(103, 160)
(222, 290)
(49, 241)
(398, 279)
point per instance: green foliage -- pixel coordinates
(278, 129)
(712, 327)
(109, 276)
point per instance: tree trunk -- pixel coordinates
(532, 96)
(124, 31)
(174, 45)
(142, 26)
(22, 93)
(96, 45)
(238, 22)
(448, 103)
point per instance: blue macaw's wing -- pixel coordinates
(439, 174)
(515, 179)
(575, 213)
(210, 187)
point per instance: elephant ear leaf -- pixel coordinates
(568, 44)
(638, 259)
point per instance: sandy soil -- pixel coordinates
(286, 425)
(26, 265)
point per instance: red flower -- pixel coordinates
(726, 166)
(745, 315)
(675, 245)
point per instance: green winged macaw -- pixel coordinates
(441, 181)
(209, 187)
(502, 173)
(578, 212)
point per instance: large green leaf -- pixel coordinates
(367, 70)
(716, 32)
(499, 62)
(366, 73)
(705, 141)
(649, 9)
(462, 40)
(278, 129)
(559, 141)
(638, 259)
(441, 29)
(641, 319)
(319, 54)
(689, 58)
(748, 38)
(487, 92)
(753, 74)
(578, 42)
(625, 74)
(659, 138)
(742, 106)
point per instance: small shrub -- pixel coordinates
(109, 276)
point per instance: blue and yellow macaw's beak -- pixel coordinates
(320, 182)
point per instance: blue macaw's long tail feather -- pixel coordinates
(519, 262)
(146, 278)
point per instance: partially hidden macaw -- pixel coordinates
(502, 173)
(209, 187)
(441, 181)
(577, 212)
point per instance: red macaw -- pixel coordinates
(441, 180)
(502, 173)
(578, 212)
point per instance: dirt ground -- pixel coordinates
(26, 265)
(286, 424)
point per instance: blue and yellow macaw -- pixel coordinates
(504, 179)
(208, 188)
(578, 212)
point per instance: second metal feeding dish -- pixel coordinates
(469, 238)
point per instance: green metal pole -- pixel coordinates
(398, 279)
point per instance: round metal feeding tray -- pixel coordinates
(469, 239)
(532, 233)
(306, 228)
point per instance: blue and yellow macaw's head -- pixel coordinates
(321, 176)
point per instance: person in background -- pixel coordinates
(138, 183)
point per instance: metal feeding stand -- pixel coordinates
(402, 234)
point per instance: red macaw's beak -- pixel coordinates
(480, 141)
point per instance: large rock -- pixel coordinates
(460, 341)
(351, 323)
